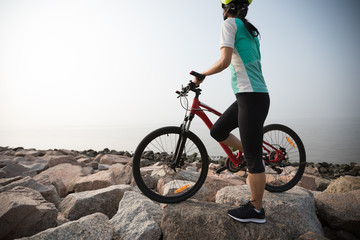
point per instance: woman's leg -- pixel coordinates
(233, 142)
(253, 109)
(257, 183)
(224, 125)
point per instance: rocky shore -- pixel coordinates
(66, 194)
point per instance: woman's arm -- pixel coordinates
(220, 65)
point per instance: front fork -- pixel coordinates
(185, 127)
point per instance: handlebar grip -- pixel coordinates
(198, 75)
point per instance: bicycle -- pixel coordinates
(171, 163)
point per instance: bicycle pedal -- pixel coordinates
(218, 171)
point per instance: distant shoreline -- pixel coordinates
(323, 169)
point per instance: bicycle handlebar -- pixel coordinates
(191, 85)
(198, 75)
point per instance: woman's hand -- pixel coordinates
(197, 81)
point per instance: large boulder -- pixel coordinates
(340, 211)
(343, 184)
(24, 212)
(47, 191)
(95, 181)
(106, 200)
(66, 173)
(92, 227)
(205, 220)
(294, 208)
(137, 218)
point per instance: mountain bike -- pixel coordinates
(171, 163)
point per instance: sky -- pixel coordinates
(76, 63)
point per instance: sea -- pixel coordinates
(334, 141)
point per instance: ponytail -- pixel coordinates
(241, 14)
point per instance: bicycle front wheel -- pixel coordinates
(284, 158)
(154, 170)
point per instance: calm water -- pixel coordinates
(333, 141)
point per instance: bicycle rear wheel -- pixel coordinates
(284, 158)
(154, 173)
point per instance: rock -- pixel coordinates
(312, 236)
(87, 171)
(61, 219)
(6, 160)
(52, 161)
(137, 218)
(213, 184)
(111, 159)
(343, 235)
(90, 153)
(343, 184)
(340, 211)
(98, 157)
(83, 161)
(311, 170)
(103, 167)
(6, 181)
(14, 170)
(345, 167)
(92, 227)
(94, 165)
(205, 220)
(24, 212)
(37, 165)
(330, 233)
(67, 152)
(313, 182)
(123, 173)
(57, 183)
(29, 153)
(95, 181)
(53, 153)
(48, 192)
(321, 183)
(295, 208)
(106, 200)
(66, 173)
(323, 170)
(308, 182)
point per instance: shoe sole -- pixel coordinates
(248, 220)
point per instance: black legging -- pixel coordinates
(248, 112)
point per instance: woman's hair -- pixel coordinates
(240, 11)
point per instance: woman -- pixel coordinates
(240, 50)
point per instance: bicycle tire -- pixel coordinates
(292, 167)
(162, 142)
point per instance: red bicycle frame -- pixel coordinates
(198, 107)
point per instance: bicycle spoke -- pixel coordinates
(283, 169)
(162, 179)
